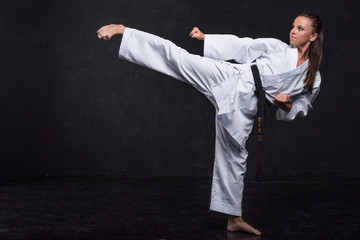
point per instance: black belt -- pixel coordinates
(262, 114)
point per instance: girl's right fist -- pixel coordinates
(196, 33)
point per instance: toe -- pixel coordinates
(256, 232)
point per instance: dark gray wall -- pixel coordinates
(69, 106)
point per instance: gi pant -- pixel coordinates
(228, 86)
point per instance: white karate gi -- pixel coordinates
(230, 87)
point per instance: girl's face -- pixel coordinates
(301, 34)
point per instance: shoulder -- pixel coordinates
(273, 44)
(274, 41)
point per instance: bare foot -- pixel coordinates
(237, 224)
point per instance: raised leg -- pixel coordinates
(164, 56)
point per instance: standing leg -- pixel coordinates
(228, 180)
(228, 175)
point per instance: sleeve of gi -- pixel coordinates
(301, 104)
(242, 50)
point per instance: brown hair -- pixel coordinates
(314, 51)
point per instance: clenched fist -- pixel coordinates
(196, 33)
(108, 31)
(282, 98)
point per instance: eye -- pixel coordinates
(300, 28)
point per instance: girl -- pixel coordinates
(289, 75)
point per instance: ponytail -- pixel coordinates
(314, 51)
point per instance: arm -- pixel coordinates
(300, 105)
(230, 47)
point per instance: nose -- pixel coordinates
(292, 31)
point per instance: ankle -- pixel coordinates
(232, 218)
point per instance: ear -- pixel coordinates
(313, 37)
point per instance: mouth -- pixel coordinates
(292, 38)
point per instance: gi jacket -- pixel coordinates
(277, 66)
(276, 61)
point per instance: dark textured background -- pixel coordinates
(69, 106)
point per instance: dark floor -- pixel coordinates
(174, 208)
